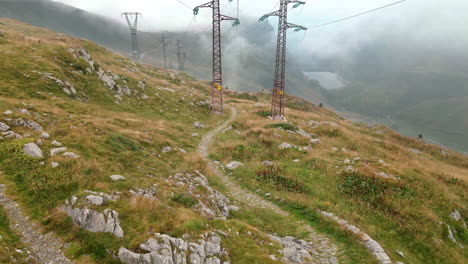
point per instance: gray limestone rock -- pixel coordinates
(117, 178)
(71, 155)
(4, 127)
(32, 150)
(56, 151)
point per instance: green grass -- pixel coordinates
(285, 126)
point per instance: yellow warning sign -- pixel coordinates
(220, 87)
(281, 92)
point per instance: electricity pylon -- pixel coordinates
(181, 56)
(277, 102)
(164, 46)
(133, 31)
(217, 88)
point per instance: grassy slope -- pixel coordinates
(112, 138)
(402, 215)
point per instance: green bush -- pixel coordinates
(184, 200)
(263, 113)
(274, 175)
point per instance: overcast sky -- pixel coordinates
(427, 19)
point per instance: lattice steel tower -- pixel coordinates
(133, 31)
(277, 102)
(217, 88)
(181, 56)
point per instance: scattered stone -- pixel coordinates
(24, 111)
(234, 208)
(4, 127)
(166, 149)
(28, 123)
(11, 134)
(335, 149)
(55, 143)
(444, 153)
(44, 135)
(382, 162)
(315, 141)
(117, 178)
(56, 151)
(285, 146)
(400, 253)
(267, 163)
(71, 155)
(347, 161)
(194, 134)
(303, 133)
(234, 165)
(198, 125)
(96, 200)
(296, 160)
(54, 164)
(32, 150)
(39, 142)
(8, 112)
(385, 175)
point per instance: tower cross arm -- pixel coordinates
(275, 13)
(297, 27)
(223, 17)
(207, 5)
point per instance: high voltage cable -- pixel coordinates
(182, 3)
(357, 15)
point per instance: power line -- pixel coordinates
(360, 14)
(184, 4)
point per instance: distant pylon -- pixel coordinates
(164, 46)
(133, 31)
(217, 83)
(277, 102)
(181, 56)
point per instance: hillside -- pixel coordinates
(109, 161)
(244, 50)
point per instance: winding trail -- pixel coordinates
(43, 248)
(325, 251)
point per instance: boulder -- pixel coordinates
(107, 221)
(117, 178)
(94, 199)
(285, 146)
(314, 141)
(56, 151)
(55, 143)
(234, 165)
(4, 127)
(198, 125)
(70, 155)
(32, 150)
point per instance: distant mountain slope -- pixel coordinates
(68, 20)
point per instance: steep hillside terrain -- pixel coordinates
(108, 161)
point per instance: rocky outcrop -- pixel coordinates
(294, 250)
(212, 204)
(168, 250)
(28, 123)
(93, 221)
